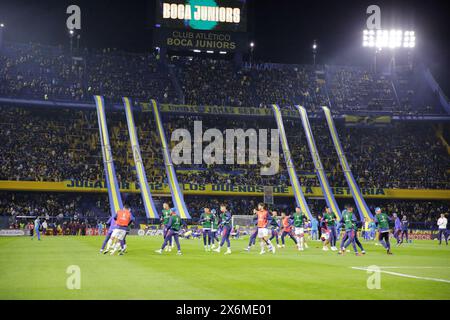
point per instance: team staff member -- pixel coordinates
(442, 225)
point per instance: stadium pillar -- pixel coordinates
(1, 36)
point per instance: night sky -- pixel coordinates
(283, 31)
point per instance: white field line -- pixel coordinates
(404, 275)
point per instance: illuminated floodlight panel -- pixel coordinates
(393, 38)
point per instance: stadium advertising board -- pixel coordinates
(211, 15)
(221, 189)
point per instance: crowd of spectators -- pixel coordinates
(72, 212)
(52, 144)
(49, 73)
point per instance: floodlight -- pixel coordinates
(2, 25)
(393, 38)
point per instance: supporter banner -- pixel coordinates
(220, 189)
(147, 199)
(353, 120)
(219, 110)
(200, 40)
(177, 195)
(115, 200)
(298, 193)
(321, 175)
(363, 210)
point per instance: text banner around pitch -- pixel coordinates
(115, 200)
(149, 205)
(296, 187)
(177, 195)
(323, 180)
(363, 209)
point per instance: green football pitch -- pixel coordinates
(38, 270)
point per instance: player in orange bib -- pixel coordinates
(263, 221)
(123, 219)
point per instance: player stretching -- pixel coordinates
(275, 227)
(123, 218)
(397, 228)
(382, 220)
(299, 222)
(263, 217)
(173, 228)
(287, 223)
(226, 229)
(330, 218)
(166, 214)
(442, 225)
(206, 220)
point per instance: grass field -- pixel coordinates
(37, 270)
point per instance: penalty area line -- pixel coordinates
(404, 275)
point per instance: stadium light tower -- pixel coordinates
(71, 34)
(388, 39)
(252, 47)
(314, 51)
(2, 26)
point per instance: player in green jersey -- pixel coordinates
(382, 221)
(165, 217)
(330, 219)
(206, 219)
(173, 229)
(299, 223)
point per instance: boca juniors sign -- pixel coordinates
(200, 40)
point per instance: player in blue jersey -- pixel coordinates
(254, 234)
(225, 223)
(397, 227)
(404, 226)
(112, 225)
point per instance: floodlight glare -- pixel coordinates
(393, 38)
(2, 25)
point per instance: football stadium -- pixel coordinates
(224, 150)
